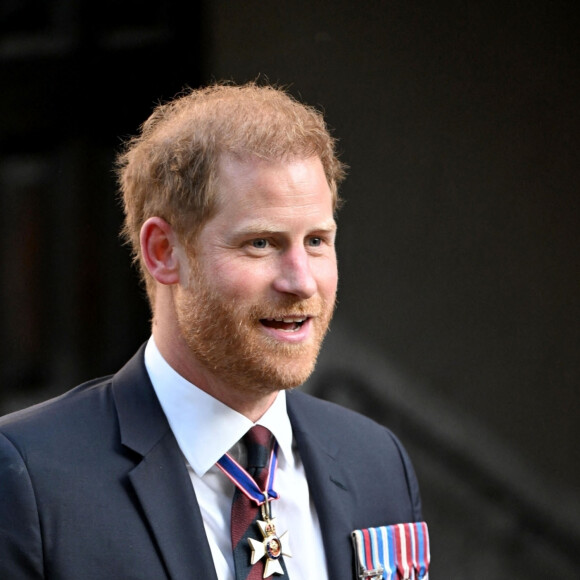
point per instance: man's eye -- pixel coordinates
(260, 243)
(315, 242)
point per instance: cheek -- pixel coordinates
(241, 283)
(327, 279)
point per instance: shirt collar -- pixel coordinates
(204, 427)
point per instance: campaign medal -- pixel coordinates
(395, 552)
(272, 546)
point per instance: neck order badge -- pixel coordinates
(253, 499)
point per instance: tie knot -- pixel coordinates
(258, 442)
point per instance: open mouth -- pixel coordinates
(286, 324)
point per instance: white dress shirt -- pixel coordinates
(205, 429)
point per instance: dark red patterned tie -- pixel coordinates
(258, 441)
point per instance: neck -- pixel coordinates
(251, 404)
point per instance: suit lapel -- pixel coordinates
(160, 478)
(329, 484)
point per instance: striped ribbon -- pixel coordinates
(245, 482)
(397, 552)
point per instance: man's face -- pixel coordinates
(263, 281)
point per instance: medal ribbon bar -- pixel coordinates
(397, 552)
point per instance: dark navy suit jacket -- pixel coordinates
(93, 485)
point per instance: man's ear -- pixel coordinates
(160, 250)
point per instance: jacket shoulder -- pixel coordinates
(71, 405)
(86, 408)
(357, 440)
(330, 417)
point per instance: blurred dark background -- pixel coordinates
(458, 323)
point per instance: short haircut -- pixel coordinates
(170, 169)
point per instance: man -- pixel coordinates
(230, 194)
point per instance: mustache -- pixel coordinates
(289, 306)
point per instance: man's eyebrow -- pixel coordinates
(268, 227)
(327, 226)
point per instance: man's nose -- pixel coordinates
(295, 275)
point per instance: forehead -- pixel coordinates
(253, 184)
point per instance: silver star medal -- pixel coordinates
(272, 546)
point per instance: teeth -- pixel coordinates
(289, 320)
